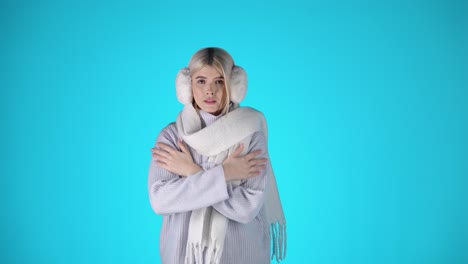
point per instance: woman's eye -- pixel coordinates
(220, 82)
(201, 81)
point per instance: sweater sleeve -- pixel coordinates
(246, 199)
(170, 193)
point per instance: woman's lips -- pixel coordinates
(210, 101)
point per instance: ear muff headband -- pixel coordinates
(184, 85)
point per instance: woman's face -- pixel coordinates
(208, 90)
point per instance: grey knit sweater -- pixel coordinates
(174, 197)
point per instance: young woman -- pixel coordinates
(210, 177)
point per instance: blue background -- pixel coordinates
(366, 103)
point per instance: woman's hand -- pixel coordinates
(178, 162)
(237, 167)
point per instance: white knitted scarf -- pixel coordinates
(207, 227)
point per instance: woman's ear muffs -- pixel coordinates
(238, 84)
(184, 85)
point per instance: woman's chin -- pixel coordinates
(212, 110)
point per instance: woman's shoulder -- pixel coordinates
(168, 133)
(250, 111)
(171, 128)
(249, 108)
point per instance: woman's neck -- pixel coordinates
(207, 118)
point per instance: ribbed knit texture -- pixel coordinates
(247, 236)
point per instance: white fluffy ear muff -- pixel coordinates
(184, 85)
(238, 84)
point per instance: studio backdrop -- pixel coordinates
(366, 104)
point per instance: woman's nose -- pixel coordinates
(210, 89)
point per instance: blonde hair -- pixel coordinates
(221, 61)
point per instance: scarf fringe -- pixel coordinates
(195, 253)
(278, 239)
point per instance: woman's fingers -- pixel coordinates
(182, 146)
(257, 161)
(253, 154)
(166, 148)
(161, 155)
(164, 151)
(161, 158)
(161, 152)
(239, 150)
(256, 171)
